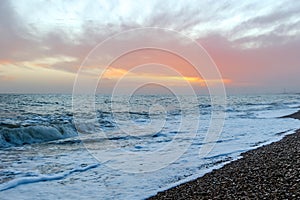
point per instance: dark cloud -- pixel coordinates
(281, 22)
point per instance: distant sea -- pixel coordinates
(45, 155)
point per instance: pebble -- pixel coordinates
(269, 172)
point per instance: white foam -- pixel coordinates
(26, 180)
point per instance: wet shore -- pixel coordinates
(269, 172)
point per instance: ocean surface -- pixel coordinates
(120, 150)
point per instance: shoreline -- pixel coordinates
(271, 171)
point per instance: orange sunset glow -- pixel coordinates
(114, 73)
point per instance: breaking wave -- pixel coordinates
(20, 135)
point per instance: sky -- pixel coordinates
(254, 44)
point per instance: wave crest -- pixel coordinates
(16, 136)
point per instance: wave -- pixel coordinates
(13, 135)
(26, 180)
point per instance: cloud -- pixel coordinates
(74, 29)
(274, 66)
(6, 78)
(278, 26)
(242, 37)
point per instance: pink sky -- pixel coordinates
(254, 44)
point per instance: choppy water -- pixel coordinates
(43, 157)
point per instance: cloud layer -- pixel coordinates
(254, 43)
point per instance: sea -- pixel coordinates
(128, 147)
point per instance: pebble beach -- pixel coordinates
(269, 172)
